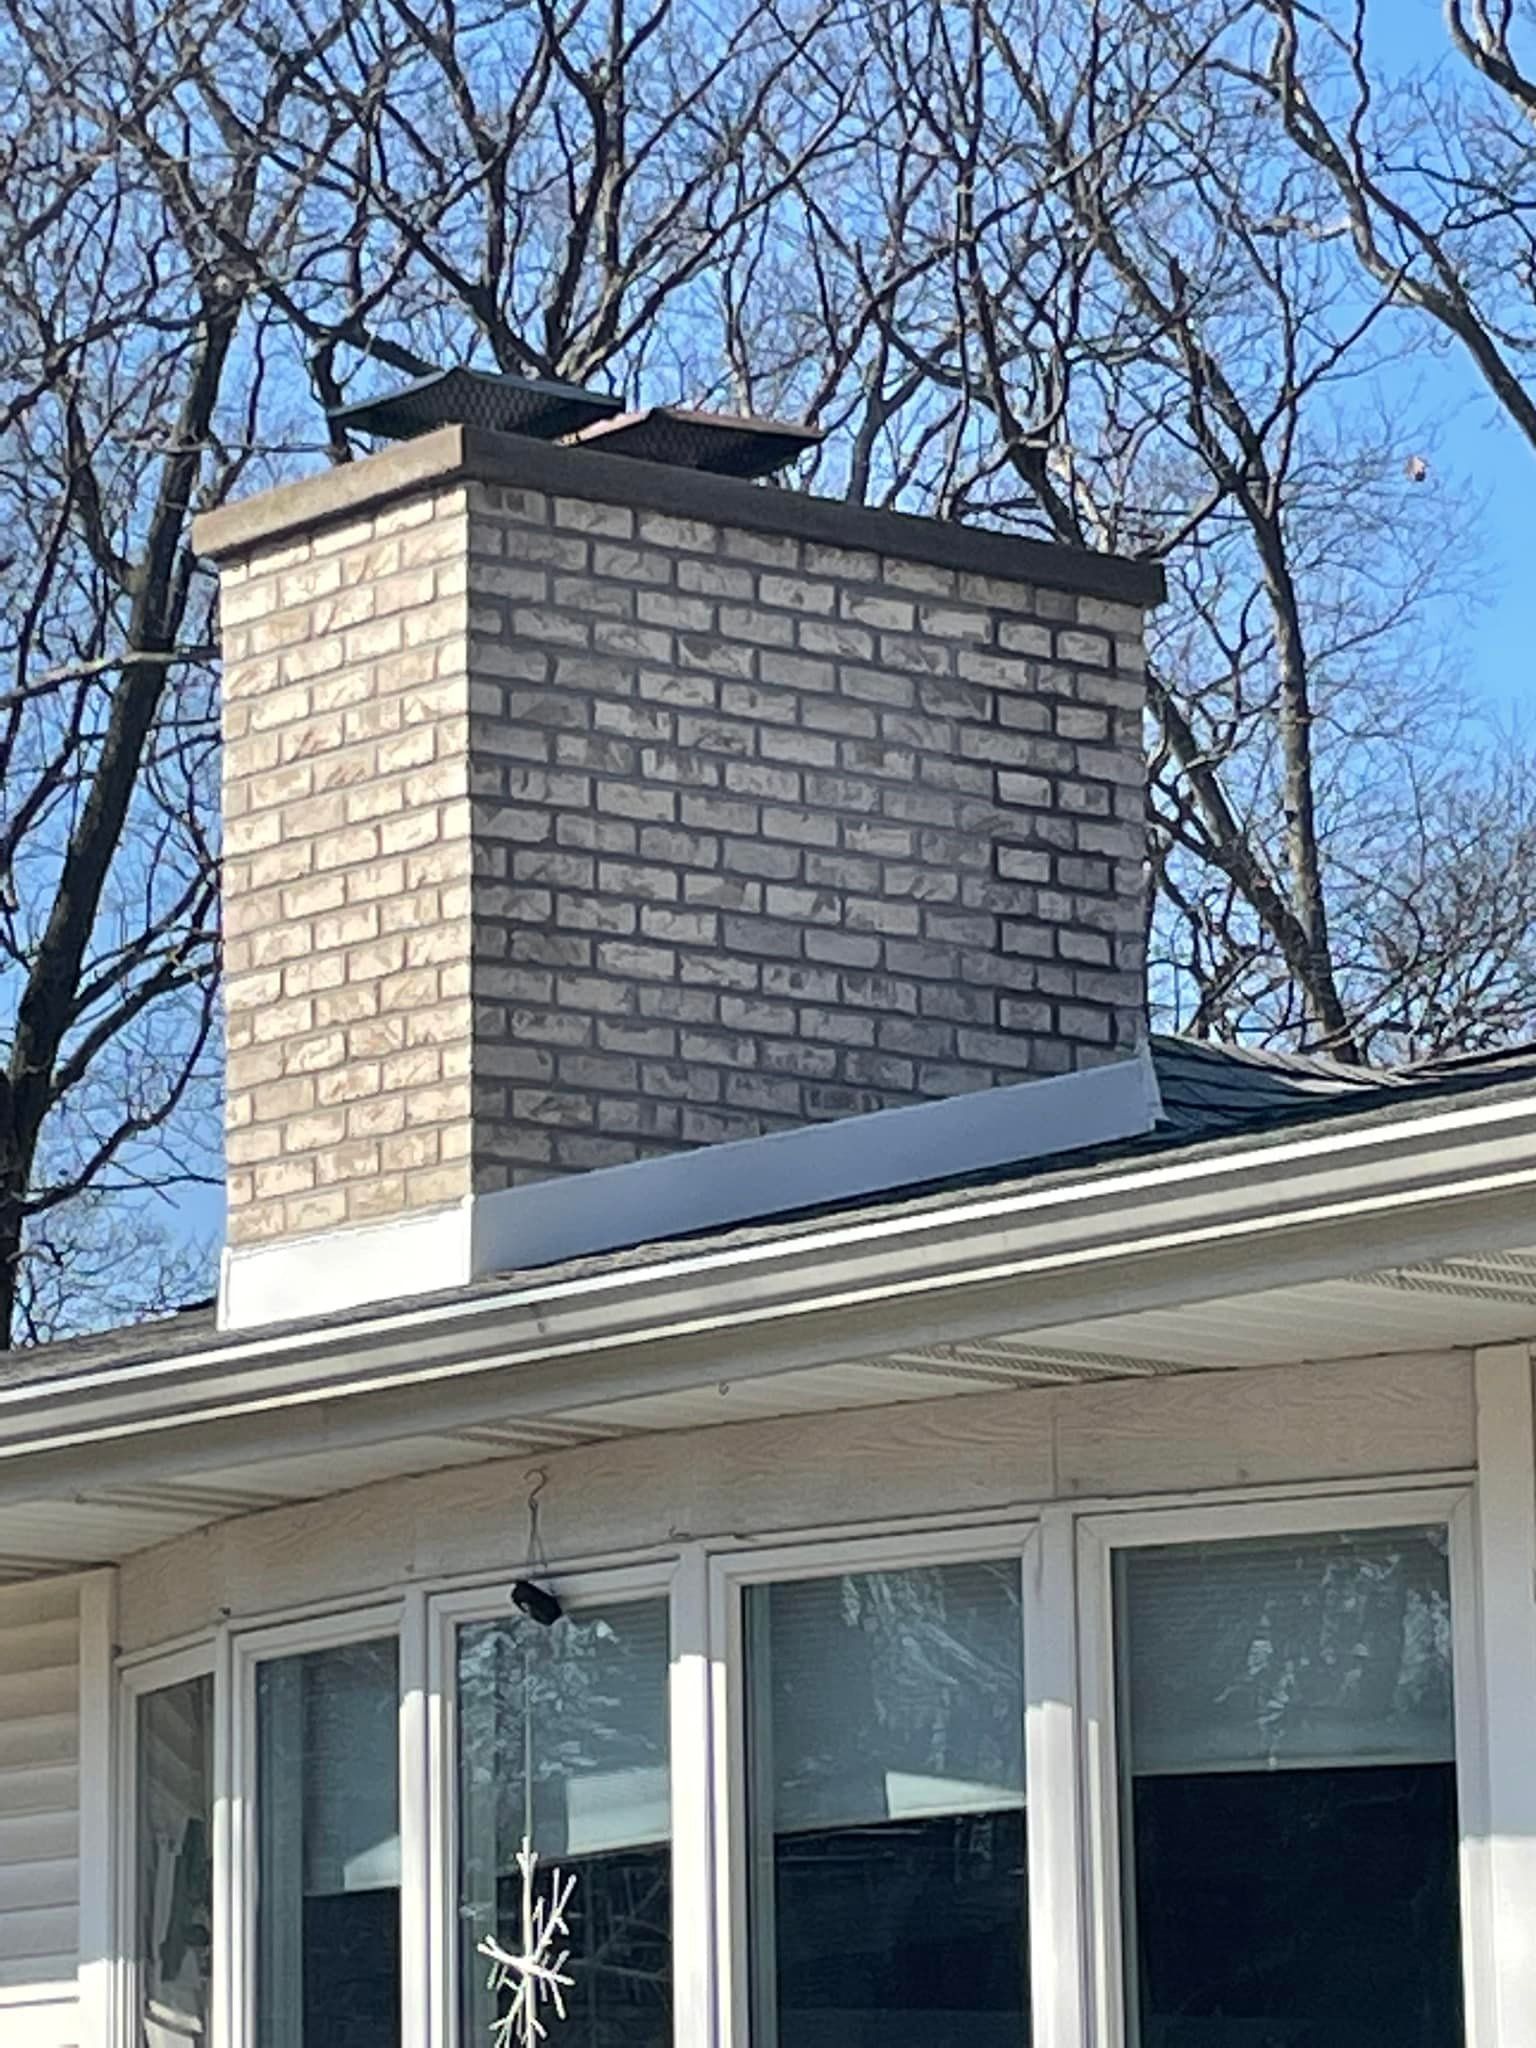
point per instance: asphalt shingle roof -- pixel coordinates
(1214, 1096)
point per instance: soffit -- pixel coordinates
(1469, 1300)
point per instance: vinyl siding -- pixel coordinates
(39, 1813)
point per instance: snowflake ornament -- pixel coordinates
(536, 1978)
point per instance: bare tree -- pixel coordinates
(120, 324)
(1432, 180)
(561, 190)
(1076, 316)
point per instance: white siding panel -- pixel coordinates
(974, 1453)
(39, 1813)
(39, 2016)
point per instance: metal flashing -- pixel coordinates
(713, 1187)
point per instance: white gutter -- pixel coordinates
(1324, 1204)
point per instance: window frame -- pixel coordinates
(244, 1651)
(731, 1573)
(138, 1679)
(1100, 1536)
(445, 1613)
(1065, 1553)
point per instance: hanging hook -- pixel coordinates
(537, 1602)
(535, 1495)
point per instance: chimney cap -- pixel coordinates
(724, 444)
(537, 406)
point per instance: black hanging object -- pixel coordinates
(537, 1602)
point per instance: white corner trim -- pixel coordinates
(1499, 1827)
(684, 1193)
(97, 1970)
(342, 1269)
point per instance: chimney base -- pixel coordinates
(688, 1194)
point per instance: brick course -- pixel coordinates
(560, 832)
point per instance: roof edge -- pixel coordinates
(1340, 1199)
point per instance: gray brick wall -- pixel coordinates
(770, 832)
(562, 831)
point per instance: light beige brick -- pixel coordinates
(313, 1212)
(560, 833)
(379, 1196)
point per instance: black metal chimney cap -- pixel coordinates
(537, 406)
(721, 444)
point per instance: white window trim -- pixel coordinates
(1504, 1830)
(235, 1853)
(730, 1573)
(1065, 1552)
(136, 1680)
(438, 1864)
(1099, 1537)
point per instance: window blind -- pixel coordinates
(888, 1695)
(329, 1724)
(1287, 1654)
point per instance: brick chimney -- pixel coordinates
(581, 809)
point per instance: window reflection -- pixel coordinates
(563, 1738)
(886, 1769)
(328, 1909)
(1290, 1798)
(174, 1870)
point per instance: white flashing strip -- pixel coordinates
(340, 1269)
(656, 1200)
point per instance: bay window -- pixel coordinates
(1183, 1777)
(328, 1856)
(170, 1941)
(885, 1748)
(562, 1743)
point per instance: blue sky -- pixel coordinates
(1485, 469)
(1493, 462)
(1501, 631)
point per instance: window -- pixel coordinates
(1288, 1820)
(885, 1743)
(172, 1863)
(328, 1848)
(1142, 1778)
(562, 1740)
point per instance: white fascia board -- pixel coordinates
(685, 1193)
(1323, 1204)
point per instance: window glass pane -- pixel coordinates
(327, 1792)
(1287, 1748)
(886, 1764)
(173, 1864)
(563, 1738)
